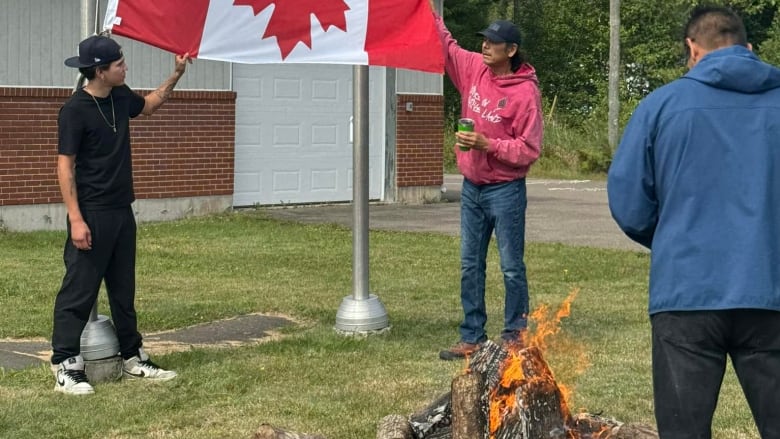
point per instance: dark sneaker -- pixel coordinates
(141, 367)
(460, 350)
(71, 378)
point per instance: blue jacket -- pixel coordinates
(696, 179)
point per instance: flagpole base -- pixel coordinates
(361, 315)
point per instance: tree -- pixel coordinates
(464, 18)
(614, 73)
(769, 50)
(568, 43)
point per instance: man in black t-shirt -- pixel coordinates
(94, 169)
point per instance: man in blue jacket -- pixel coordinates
(696, 179)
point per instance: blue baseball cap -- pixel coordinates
(502, 31)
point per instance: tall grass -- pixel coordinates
(573, 152)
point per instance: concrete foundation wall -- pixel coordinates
(419, 194)
(26, 218)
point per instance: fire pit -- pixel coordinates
(506, 394)
(509, 392)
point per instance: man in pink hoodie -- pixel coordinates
(499, 91)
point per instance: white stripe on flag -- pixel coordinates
(109, 19)
(234, 33)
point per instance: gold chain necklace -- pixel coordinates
(113, 115)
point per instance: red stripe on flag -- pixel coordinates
(402, 33)
(171, 25)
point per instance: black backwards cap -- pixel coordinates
(96, 50)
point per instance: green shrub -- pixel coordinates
(450, 165)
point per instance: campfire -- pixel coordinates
(507, 391)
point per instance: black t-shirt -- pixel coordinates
(104, 171)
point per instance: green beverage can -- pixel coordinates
(465, 124)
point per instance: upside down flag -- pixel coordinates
(391, 33)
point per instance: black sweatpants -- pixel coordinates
(689, 362)
(111, 259)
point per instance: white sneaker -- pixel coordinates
(140, 366)
(71, 378)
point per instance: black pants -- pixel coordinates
(689, 361)
(112, 258)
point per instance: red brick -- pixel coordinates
(28, 145)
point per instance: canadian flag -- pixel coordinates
(391, 33)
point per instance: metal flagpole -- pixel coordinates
(362, 311)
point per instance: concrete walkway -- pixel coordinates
(243, 330)
(563, 211)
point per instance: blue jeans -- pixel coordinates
(484, 209)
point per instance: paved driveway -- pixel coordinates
(573, 212)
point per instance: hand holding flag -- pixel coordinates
(181, 63)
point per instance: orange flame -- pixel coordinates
(503, 399)
(547, 326)
(604, 433)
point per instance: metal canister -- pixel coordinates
(465, 124)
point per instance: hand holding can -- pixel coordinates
(465, 124)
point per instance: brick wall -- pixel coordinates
(419, 140)
(185, 149)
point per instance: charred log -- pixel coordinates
(511, 395)
(487, 361)
(434, 421)
(394, 427)
(634, 431)
(527, 403)
(589, 426)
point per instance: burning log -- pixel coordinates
(527, 402)
(593, 426)
(520, 392)
(487, 361)
(510, 395)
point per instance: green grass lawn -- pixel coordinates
(313, 379)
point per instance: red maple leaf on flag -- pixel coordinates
(291, 22)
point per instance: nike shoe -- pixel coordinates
(71, 378)
(141, 367)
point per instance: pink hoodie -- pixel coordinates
(506, 109)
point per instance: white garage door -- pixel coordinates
(293, 133)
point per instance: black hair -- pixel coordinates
(518, 59)
(713, 27)
(89, 73)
